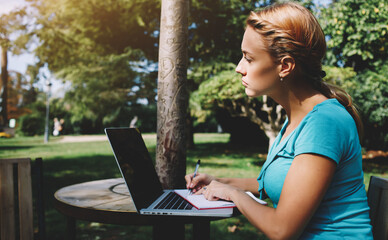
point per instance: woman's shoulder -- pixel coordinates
(328, 130)
(331, 112)
(328, 119)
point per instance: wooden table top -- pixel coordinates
(108, 201)
(106, 195)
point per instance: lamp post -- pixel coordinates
(46, 129)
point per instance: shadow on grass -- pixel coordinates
(235, 228)
(4, 148)
(61, 172)
(224, 150)
(377, 165)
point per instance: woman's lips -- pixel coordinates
(244, 83)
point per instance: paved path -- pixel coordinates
(84, 138)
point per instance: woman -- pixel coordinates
(313, 172)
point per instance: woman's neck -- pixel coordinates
(297, 100)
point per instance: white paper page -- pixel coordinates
(256, 199)
(200, 202)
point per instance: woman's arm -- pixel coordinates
(304, 187)
(246, 184)
(203, 179)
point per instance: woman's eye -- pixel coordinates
(247, 59)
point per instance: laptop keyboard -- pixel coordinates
(174, 201)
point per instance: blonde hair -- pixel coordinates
(289, 29)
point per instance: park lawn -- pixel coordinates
(70, 163)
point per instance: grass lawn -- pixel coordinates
(67, 163)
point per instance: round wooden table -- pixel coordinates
(108, 201)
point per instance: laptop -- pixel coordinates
(137, 169)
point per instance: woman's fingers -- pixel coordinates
(197, 181)
(209, 194)
(200, 190)
(216, 190)
(188, 179)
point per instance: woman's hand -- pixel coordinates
(216, 190)
(197, 183)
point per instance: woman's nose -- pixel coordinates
(239, 68)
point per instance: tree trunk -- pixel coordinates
(172, 94)
(189, 132)
(4, 81)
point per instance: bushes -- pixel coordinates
(370, 94)
(31, 125)
(146, 117)
(34, 123)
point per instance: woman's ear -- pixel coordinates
(287, 66)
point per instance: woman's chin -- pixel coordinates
(251, 93)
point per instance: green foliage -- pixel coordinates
(216, 29)
(69, 30)
(357, 32)
(205, 70)
(204, 118)
(13, 24)
(101, 86)
(223, 86)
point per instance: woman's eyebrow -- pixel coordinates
(245, 52)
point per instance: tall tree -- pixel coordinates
(172, 93)
(172, 101)
(4, 89)
(20, 93)
(9, 24)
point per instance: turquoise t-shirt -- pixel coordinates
(328, 130)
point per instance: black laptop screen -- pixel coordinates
(135, 165)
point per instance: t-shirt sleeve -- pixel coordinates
(322, 134)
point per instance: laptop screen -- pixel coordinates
(135, 165)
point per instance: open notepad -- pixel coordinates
(200, 202)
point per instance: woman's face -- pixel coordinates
(260, 75)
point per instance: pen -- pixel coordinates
(195, 172)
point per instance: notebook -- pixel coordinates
(136, 167)
(200, 202)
